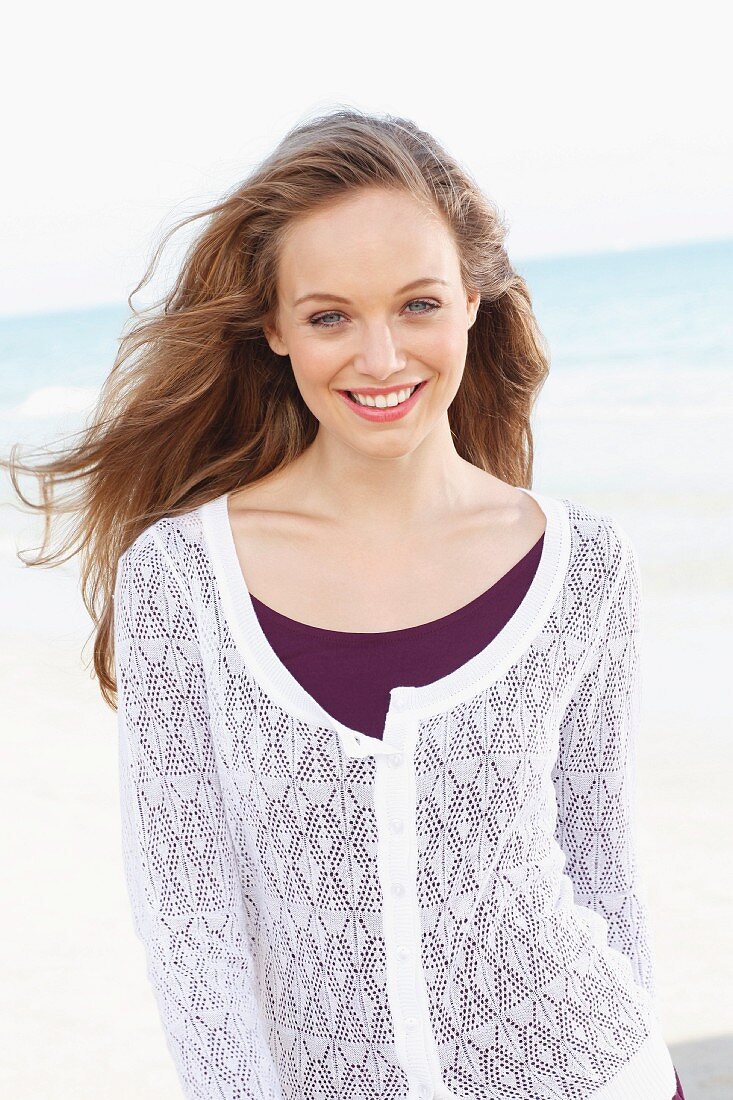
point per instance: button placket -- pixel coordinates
(395, 807)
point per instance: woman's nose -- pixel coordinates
(378, 353)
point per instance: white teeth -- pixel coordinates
(382, 400)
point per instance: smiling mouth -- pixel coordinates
(383, 400)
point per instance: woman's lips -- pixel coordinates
(396, 412)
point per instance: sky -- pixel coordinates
(592, 127)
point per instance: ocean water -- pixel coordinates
(636, 415)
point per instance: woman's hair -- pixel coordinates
(196, 403)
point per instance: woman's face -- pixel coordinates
(370, 298)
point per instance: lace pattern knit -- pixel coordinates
(491, 942)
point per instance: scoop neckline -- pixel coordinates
(488, 665)
(403, 633)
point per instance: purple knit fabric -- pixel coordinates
(351, 674)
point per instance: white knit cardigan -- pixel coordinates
(453, 911)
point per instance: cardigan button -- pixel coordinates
(396, 825)
(397, 760)
(410, 1023)
(403, 953)
(398, 889)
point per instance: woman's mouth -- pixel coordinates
(384, 412)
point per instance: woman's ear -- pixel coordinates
(276, 344)
(474, 301)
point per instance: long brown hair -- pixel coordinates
(196, 404)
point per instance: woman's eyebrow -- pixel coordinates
(320, 295)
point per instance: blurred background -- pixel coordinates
(603, 134)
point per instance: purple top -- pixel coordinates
(351, 674)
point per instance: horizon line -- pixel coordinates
(541, 257)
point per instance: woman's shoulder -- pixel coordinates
(600, 543)
(594, 522)
(171, 542)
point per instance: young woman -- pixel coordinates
(377, 699)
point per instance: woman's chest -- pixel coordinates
(372, 583)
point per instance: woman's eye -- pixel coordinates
(425, 302)
(321, 320)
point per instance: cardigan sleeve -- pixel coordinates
(179, 862)
(595, 776)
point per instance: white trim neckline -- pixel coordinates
(418, 701)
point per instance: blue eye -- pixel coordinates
(424, 302)
(319, 322)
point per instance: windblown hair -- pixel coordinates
(196, 404)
